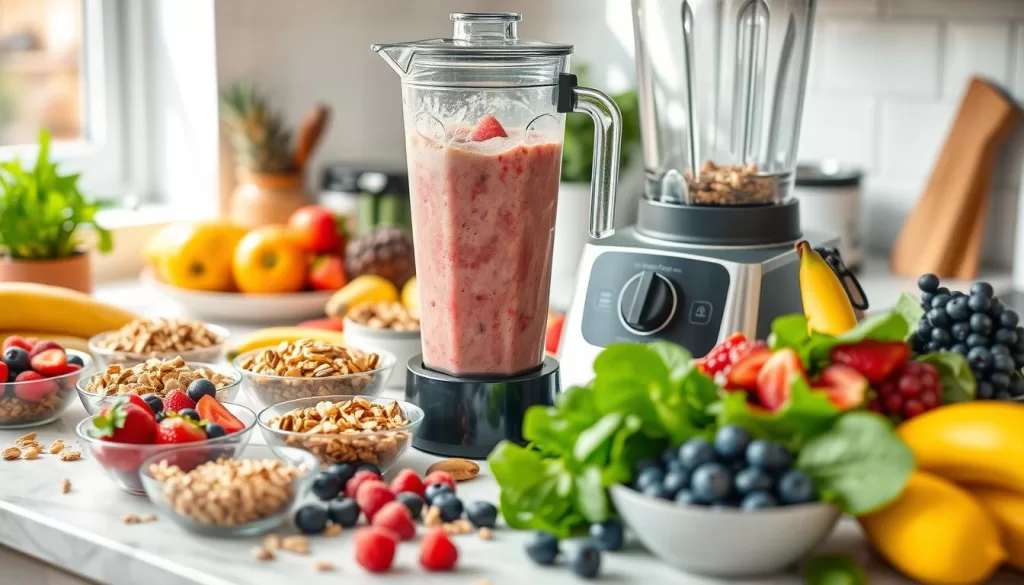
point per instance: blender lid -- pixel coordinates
(476, 34)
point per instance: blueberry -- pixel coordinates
(938, 318)
(985, 391)
(999, 349)
(344, 471)
(1018, 360)
(644, 464)
(17, 359)
(976, 340)
(368, 467)
(201, 387)
(771, 457)
(1006, 337)
(189, 413)
(542, 548)
(74, 359)
(326, 485)
(668, 455)
(649, 476)
(696, 452)
(960, 331)
(685, 498)
(731, 442)
(482, 514)
(940, 301)
(412, 502)
(1002, 363)
(942, 291)
(435, 489)
(959, 348)
(980, 358)
(982, 289)
(1004, 395)
(450, 506)
(753, 479)
(924, 328)
(932, 347)
(214, 430)
(979, 304)
(655, 491)
(586, 561)
(981, 324)
(675, 466)
(675, 481)
(311, 519)
(345, 511)
(1000, 381)
(942, 337)
(996, 310)
(958, 310)
(711, 482)
(1017, 387)
(607, 535)
(154, 402)
(758, 500)
(928, 283)
(1009, 319)
(795, 487)
(926, 300)
(161, 416)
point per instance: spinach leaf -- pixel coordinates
(814, 348)
(807, 413)
(860, 463)
(958, 383)
(591, 498)
(674, 357)
(536, 493)
(910, 309)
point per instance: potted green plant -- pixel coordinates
(42, 213)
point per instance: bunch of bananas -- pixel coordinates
(58, 314)
(961, 515)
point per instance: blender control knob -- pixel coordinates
(647, 303)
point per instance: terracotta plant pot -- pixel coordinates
(260, 199)
(73, 272)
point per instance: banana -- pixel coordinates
(978, 443)
(55, 310)
(272, 336)
(826, 304)
(411, 296)
(368, 288)
(1007, 509)
(936, 533)
(66, 341)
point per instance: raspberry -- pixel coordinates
(177, 401)
(408, 481)
(910, 390)
(439, 477)
(358, 479)
(375, 549)
(720, 357)
(394, 516)
(371, 497)
(438, 552)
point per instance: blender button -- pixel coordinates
(700, 313)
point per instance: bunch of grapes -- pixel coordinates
(976, 326)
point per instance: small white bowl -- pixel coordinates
(725, 543)
(402, 344)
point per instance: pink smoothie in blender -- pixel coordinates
(483, 209)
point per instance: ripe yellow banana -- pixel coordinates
(272, 336)
(1007, 509)
(977, 443)
(937, 534)
(55, 310)
(66, 341)
(368, 288)
(826, 304)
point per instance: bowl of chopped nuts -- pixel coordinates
(343, 429)
(386, 327)
(155, 376)
(144, 339)
(209, 494)
(29, 401)
(312, 369)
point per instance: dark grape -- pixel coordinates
(980, 323)
(1002, 363)
(939, 318)
(980, 358)
(928, 283)
(940, 301)
(996, 310)
(1020, 336)
(942, 337)
(999, 381)
(1018, 358)
(1004, 395)
(1017, 387)
(926, 300)
(958, 310)
(960, 331)
(976, 340)
(985, 391)
(1007, 337)
(1009, 319)
(942, 291)
(959, 348)
(932, 347)
(983, 289)
(979, 304)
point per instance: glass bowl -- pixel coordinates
(34, 403)
(266, 390)
(94, 402)
(122, 461)
(188, 457)
(381, 448)
(105, 357)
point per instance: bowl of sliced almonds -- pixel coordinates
(388, 327)
(143, 339)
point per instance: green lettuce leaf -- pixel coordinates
(958, 383)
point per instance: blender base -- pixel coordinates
(467, 416)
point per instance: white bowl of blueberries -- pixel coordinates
(731, 507)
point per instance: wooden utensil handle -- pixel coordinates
(310, 131)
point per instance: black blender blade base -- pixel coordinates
(467, 416)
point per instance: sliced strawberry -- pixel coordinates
(178, 429)
(138, 401)
(177, 401)
(743, 374)
(846, 387)
(42, 346)
(51, 363)
(488, 127)
(33, 386)
(17, 341)
(775, 377)
(211, 410)
(875, 359)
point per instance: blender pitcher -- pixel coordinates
(484, 123)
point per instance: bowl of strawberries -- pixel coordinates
(37, 380)
(130, 429)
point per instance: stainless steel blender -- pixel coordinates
(484, 122)
(721, 86)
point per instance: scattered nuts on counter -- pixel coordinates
(29, 438)
(12, 453)
(323, 566)
(56, 447)
(154, 376)
(332, 530)
(65, 485)
(485, 533)
(147, 337)
(228, 492)
(136, 519)
(71, 455)
(343, 432)
(262, 554)
(296, 543)
(393, 316)
(284, 372)
(432, 517)
(459, 469)
(272, 542)
(460, 526)
(32, 453)
(730, 185)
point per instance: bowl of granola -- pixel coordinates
(307, 368)
(143, 339)
(386, 327)
(154, 376)
(343, 429)
(213, 495)
(40, 400)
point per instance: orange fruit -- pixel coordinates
(269, 260)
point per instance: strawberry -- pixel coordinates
(395, 517)
(327, 273)
(846, 387)
(375, 549)
(407, 481)
(488, 127)
(211, 410)
(42, 346)
(439, 477)
(178, 429)
(775, 377)
(138, 401)
(438, 552)
(875, 359)
(35, 386)
(5, 372)
(743, 374)
(357, 480)
(51, 363)
(371, 497)
(177, 401)
(17, 341)
(124, 422)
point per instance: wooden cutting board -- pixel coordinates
(943, 233)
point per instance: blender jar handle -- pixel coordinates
(607, 141)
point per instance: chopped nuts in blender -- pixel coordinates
(393, 316)
(730, 185)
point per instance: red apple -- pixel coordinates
(318, 230)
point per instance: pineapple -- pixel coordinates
(261, 142)
(385, 251)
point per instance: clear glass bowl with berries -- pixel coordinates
(37, 381)
(129, 430)
(158, 378)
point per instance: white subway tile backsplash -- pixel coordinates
(956, 9)
(877, 57)
(912, 134)
(838, 127)
(975, 48)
